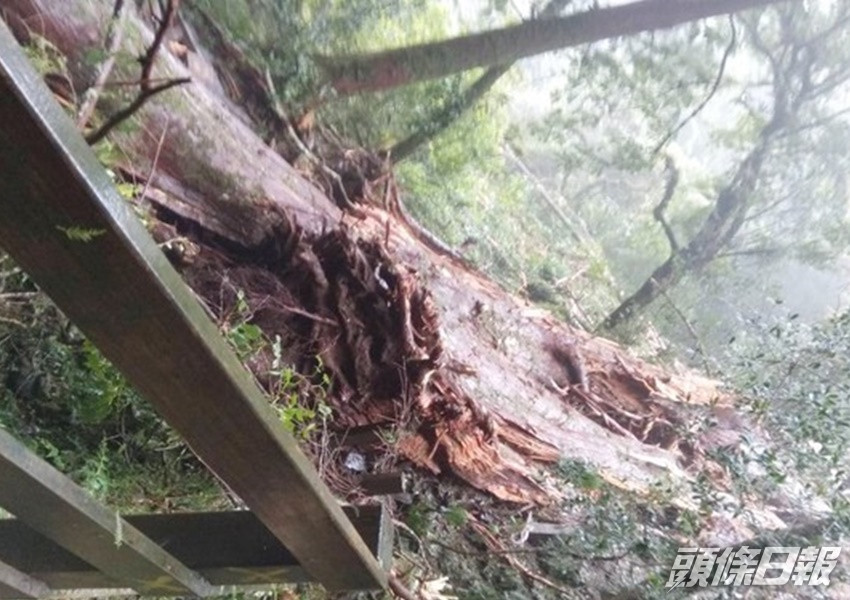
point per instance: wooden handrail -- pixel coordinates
(63, 222)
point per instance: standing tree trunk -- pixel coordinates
(718, 230)
(392, 68)
(792, 88)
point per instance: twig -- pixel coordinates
(135, 82)
(608, 420)
(148, 58)
(494, 544)
(399, 589)
(407, 529)
(689, 326)
(146, 90)
(710, 94)
(396, 207)
(276, 105)
(125, 113)
(306, 314)
(114, 35)
(155, 160)
(11, 321)
(658, 211)
(817, 122)
(560, 551)
(18, 296)
(579, 235)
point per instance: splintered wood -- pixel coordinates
(480, 385)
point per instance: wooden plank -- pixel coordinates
(230, 548)
(15, 584)
(56, 507)
(62, 220)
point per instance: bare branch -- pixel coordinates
(148, 58)
(752, 252)
(691, 330)
(658, 211)
(125, 113)
(12, 321)
(146, 89)
(825, 120)
(711, 92)
(399, 589)
(569, 224)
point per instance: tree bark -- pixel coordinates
(392, 68)
(480, 385)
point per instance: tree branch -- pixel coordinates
(146, 90)
(691, 330)
(819, 122)
(544, 193)
(148, 58)
(112, 43)
(399, 589)
(711, 92)
(386, 69)
(752, 252)
(443, 117)
(658, 211)
(125, 113)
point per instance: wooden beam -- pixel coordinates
(63, 222)
(231, 548)
(15, 584)
(56, 507)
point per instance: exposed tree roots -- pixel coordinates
(475, 383)
(344, 306)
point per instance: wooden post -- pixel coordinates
(62, 220)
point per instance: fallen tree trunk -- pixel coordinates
(396, 67)
(481, 385)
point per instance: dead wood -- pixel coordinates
(389, 316)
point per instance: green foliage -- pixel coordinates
(300, 400)
(289, 390)
(81, 234)
(795, 379)
(418, 518)
(580, 475)
(456, 516)
(620, 542)
(284, 35)
(45, 56)
(61, 397)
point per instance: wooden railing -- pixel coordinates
(63, 222)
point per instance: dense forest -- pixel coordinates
(578, 269)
